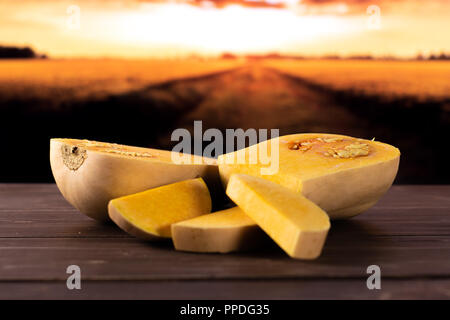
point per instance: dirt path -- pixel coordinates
(248, 97)
(253, 96)
(257, 97)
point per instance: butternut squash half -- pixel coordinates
(89, 174)
(343, 175)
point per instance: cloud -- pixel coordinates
(301, 6)
(313, 6)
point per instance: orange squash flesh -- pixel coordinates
(343, 175)
(150, 214)
(222, 231)
(296, 224)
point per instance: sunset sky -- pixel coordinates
(157, 28)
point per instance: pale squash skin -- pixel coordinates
(128, 227)
(343, 188)
(104, 176)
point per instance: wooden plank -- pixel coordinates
(398, 221)
(115, 259)
(47, 196)
(53, 224)
(231, 289)
(44, 223)
(407, 234)
(25, 197)
(416, 196)
(38, 210)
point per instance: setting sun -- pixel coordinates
(179, 28)
(233, 28)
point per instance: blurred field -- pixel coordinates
(141, 102)
(72, 80)
(420, 80)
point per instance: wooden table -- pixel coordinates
(407, 234)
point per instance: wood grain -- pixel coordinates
(302, 289)
(407, 234)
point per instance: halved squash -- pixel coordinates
(343, 175)
(149, 214)
(295, 223)
(89, 174)
(222, 231)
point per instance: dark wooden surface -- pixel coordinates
(407, 234)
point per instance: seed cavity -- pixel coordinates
(73, 156)
(334, 147)
(113, 148)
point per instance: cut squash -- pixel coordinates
(89, 174)
(223, 231)
(343, 175)
(295, 223)
(149, 215)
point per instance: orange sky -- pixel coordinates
(133, 28)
